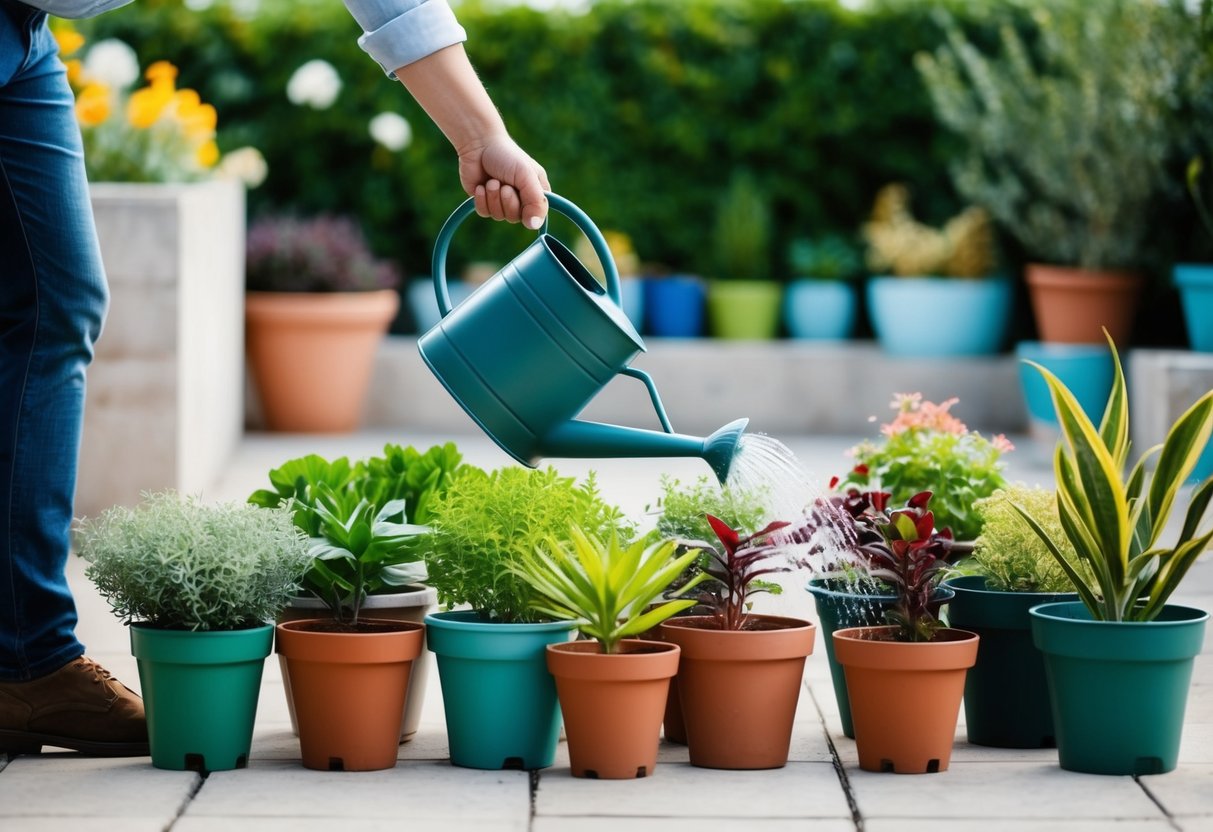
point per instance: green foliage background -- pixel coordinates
(640, 110)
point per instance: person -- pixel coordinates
(53, 301)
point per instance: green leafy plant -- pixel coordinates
(181, 564)
(1011, 556)
(606, 587)
(743, 231)
(404, 473)
(487, 522)
(828, 257)
(1116, 523)
(926, 448)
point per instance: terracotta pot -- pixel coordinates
(905, 696)
(349, 691)
(739, 688)
(311, 355)
(411, 603)
(1071, 305)
(613, 704)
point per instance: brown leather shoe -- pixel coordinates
(80, 706)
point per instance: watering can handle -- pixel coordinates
(559, 203)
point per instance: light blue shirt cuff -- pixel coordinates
(399, 32)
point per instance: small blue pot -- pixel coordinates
(939, 316)
(1086, 369)
(424, 306)
(1195, 282)
(674, 306)
(631, 293)
(821, 310)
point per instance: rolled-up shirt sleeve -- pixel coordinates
(399, 32)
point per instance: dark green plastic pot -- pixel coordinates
(1006, 695)
(500, 700)
(838, 609)
(200, 691)
(1118, 688)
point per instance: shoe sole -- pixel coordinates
(28, 742)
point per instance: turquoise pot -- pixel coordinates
(1086, 369)
(200, 692)
(500, 700)
(940, 316)
(1118, 689)
(838, 609)
(1006, 696)
(1195, 282)
(820, 310)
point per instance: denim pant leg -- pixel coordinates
(52, 302)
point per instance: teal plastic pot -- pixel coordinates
(500, 700)
(200, 693)
(969, 315)
(1086, 370)
(1195, 282)
(820, 310)
(1006, 696)
(838, 609)
(1118, 689)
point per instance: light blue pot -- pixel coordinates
(1086, 369)
(424, 306)
(631, 295)
(1195, 282)
(500, 700)
(822, 310)
(939, 316)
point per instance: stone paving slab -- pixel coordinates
(1187, 792)
(665, 824)
(239, 823)
(68, 785)
(1015, 825)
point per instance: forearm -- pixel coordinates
(448, 89)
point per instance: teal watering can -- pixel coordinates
(529, 349)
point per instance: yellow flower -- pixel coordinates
(69, 40)
(145, 105)
(93, 105)
(75, 71)
(208, 154)
(198, 119)
(161, 73)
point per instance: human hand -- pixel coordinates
(506, 183)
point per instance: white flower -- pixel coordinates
(315, 84)
(391, 130)
(112, 63)
(245, 164)
(199, 5)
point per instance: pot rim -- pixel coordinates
(409, 595)
(1051, 612)
(470, 620)
(959, 584)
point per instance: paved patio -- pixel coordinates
(820, 789)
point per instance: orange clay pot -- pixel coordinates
(905, 696)
(349, 690)
(311, 355)
(739, 688)
(1071, 305)
(613, 704)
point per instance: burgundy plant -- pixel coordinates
(736, 566)
(318, 254)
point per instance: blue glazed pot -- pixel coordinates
(1118, 688)
(1195, 282)
(822, 310)
(1086, 369)
(500, 700)
(674, 306)
(939, 316)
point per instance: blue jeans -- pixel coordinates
(52, 303)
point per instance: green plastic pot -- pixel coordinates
(839, 609)
(745, 309)
(1006, 696)
(500, 700)
(200, 692)
(1118, 688)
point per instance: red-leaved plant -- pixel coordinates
(736, 567)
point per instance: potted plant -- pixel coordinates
(1120, 660)
(740, 674)
(1195, 280)
(1067, 143)
(394, 582)
(318, 305)
(500, 702)
(1006, 696)
(612, 688)
(914, 655)
(926, 448)
(821, 302)
(933, 274)
(743, 302)
(200, 585)
(674, 304)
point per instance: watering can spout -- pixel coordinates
(591, 439)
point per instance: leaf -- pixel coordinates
(1180, 452)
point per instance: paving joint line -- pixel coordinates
(1171, 821)
(534, 782)
(199, 782)
(839, 768)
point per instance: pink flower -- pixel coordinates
(1002, 444)
(915, 414)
